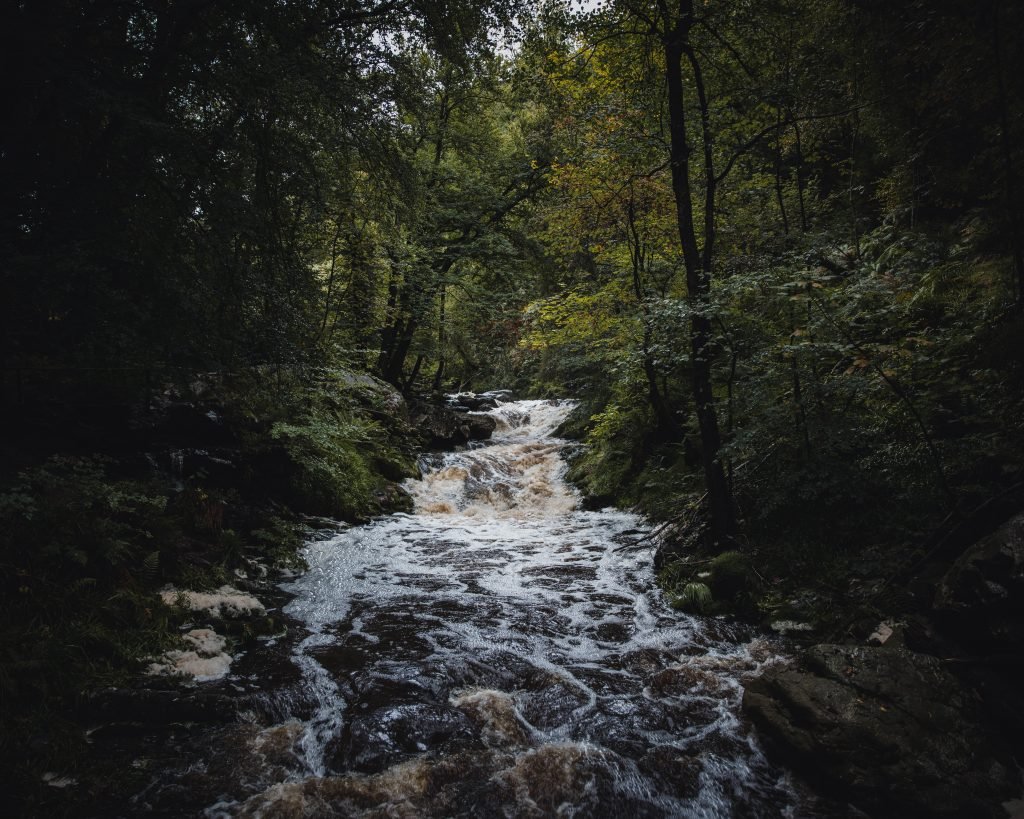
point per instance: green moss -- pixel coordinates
(730, 573)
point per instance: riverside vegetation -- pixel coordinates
(774, 250)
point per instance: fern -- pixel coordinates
(693, 596)
(150, 568)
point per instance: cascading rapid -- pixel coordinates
(499, 653)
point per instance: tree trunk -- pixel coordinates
(779, 193)
(698, 271)
(667, 428)
(800, 181)
(1010, 176)
(441, 337)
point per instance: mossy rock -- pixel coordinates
(730, 574)
(725, 584)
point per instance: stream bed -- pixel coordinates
(499, 652)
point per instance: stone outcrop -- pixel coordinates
(476, 402)
(480, 426)
(889, 729)
(980, 600)
(457, 422)
(440, 427)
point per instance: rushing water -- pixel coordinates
(499, 652)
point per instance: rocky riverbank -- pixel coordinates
(924, 714)
(151, 538)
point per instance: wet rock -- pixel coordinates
(684, 679)
(674, 771)
(642, 661)
(495, 714)
(480, 426)
(393, 498)
(440, 427)
(891, 730)
(980, 601)
(472, 402)
(374, 690)
(450, 426)
(624, 726)
(553, 704)
(377, 740)
(790, 626)
(343, 659)
(498, 669)
(614, 632)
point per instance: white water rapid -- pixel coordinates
(498, 653)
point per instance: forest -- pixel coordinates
(771, 253)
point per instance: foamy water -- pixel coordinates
(499, 653)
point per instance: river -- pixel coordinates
(499, 652)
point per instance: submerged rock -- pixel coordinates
(387, 735)
(892, 730)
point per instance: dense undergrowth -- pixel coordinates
(868, 399)
(227, 472)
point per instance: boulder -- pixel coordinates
(480, 426)
(376, 395)
(471, 401)
(980, 600)
(440, 427)
(890, 729)
(445, 428)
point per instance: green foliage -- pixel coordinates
(68, 516)
(328, 472)
(86, 542)
(685, 586)
(327, 444)
(279, 540)
(78, 564)
(692, 597)
(724, 584)
(291, 196)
